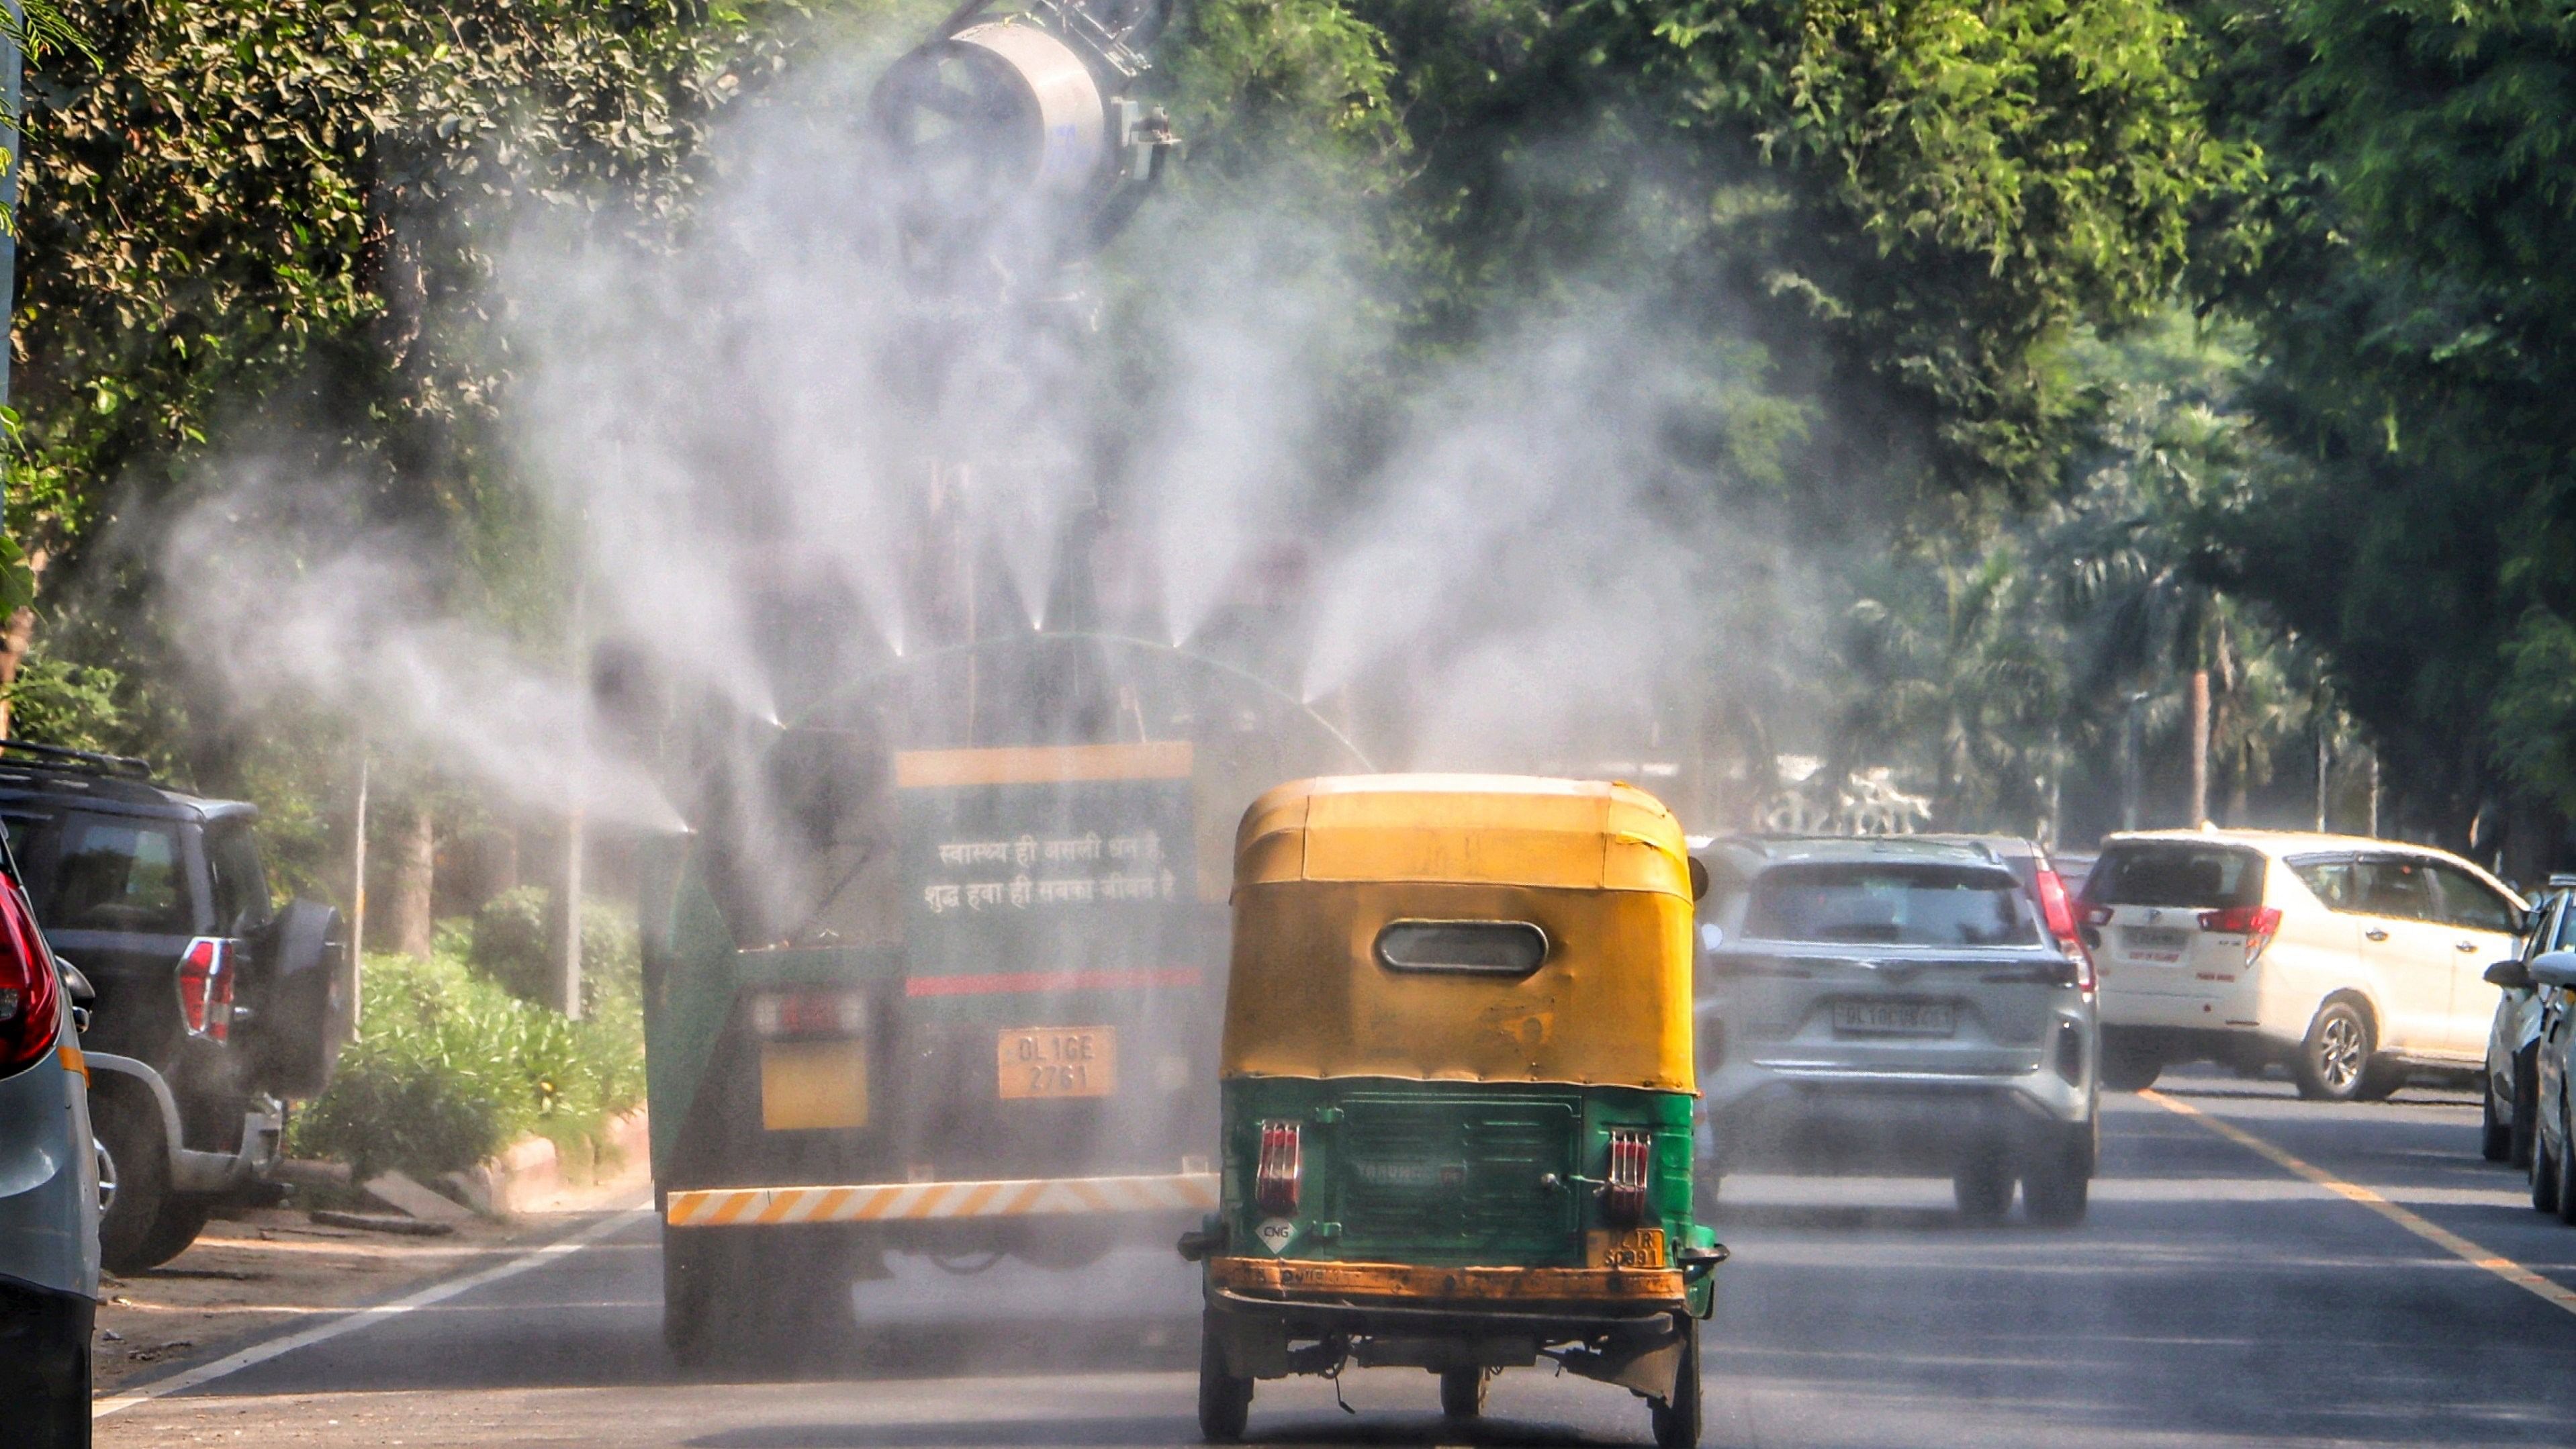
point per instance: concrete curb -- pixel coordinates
(530, 1174)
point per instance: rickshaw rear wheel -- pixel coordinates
(1225, 1402)
(1676, 1419)
(1462, 1392)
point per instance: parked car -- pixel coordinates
(1893, 1005)
(2553, 1146)
(48, 1190)
(2513, 1036)
(2354, 961)
(212, 1004)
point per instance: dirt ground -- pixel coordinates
(269, 1269)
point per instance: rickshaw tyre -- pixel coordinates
(1676, 1418)
(1225, 1402)
(1462, 1392)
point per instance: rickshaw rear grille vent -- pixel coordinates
(1457, 1175)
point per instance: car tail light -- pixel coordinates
(30, 1017)
(783, 1014)
(1274, 1186)
(1623, 1194)
(2060, 911)
(206, 988)
(2255, 923)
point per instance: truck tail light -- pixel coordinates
(1623, 1194)
(206, 988)
(1275, 1184)
(2255, 923)
(2060, 911)
(30, 1018)
(780, 1015)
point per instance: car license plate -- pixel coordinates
(2154, 943)
(1059, 1061)
(1896, 1018)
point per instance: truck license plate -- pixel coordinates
(1896, 1018)
(1059, 1061)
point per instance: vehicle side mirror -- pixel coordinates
(2554, 968)
(2511, 975)
(75, 985)
(1699, 878)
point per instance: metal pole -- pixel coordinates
(568, 945)
(2321, 773)
(358, 893)
(2374, 792)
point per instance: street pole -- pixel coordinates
(2321, 772)
(568, 942)
(2199, 812)
(2129, 764)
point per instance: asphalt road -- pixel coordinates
(2216, 1296)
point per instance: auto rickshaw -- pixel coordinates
(1456, 1094)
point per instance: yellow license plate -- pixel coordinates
(810, 1085)
(1624, 1248)
(1059, 1061)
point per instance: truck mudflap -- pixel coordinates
(715, 1207)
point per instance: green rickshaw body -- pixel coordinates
(1456, 1092)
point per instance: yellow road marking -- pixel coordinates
(2441, 1237)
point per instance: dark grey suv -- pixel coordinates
(1891, 1006)
(211, 1003)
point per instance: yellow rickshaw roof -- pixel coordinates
(1485, 829)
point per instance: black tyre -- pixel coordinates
(2130, 1062)
(2566, 1204)
(2544, 1175)
(2526, 1106)
(2334, 1063)
(2495, 1129)
(756, 1299)
(1225, 1402)
(44, 1370)
(134, 1154)
(1983, 1186)
(1676, 1417)
(2057, 1185)
(1462, 1392)
(181, 1220)
(2381, 1079)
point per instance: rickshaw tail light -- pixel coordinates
(1623, 1196)
(1274, 1186)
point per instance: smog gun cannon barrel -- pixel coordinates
(1024, 135)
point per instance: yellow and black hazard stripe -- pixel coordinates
(913, 1201)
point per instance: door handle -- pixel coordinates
(2374, 934)
(2464, 945)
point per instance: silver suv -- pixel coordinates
(1890, 1006)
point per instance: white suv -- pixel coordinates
(2350, 959)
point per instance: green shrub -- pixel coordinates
(512, 939)
(449, 1067)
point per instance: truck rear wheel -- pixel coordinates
(749, 1295)
(1225, 1402)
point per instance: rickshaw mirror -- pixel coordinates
(1471, 948)
(1699, 878)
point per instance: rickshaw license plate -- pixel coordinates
(1624, 1248)
(1896, 1018)
(1059, 1061)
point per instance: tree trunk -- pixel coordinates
(2199, 750)
(17, 637)
(407, 923)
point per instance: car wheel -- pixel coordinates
(1225, 1402)
(2526, 1107)
(2544, 1175)
(2334, 1061)
(2566, 1204)
(1983, 1187)
(2495, 1129)
(181, 1220)
(1462, 1392)
(2130, 1062)
(137, 1156)
(1677, 1417)
(2057, 1185)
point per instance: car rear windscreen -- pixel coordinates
(2176, 873)
(103, 873)
(1890, 905)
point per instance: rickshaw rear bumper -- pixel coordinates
(1432, 1317)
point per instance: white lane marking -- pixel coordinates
(355, 1319)
(2545, 1289)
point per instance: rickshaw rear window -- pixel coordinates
(1471, 948)
(1890, 905)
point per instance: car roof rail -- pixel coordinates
(56, 757)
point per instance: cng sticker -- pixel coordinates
(1274, 1234)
